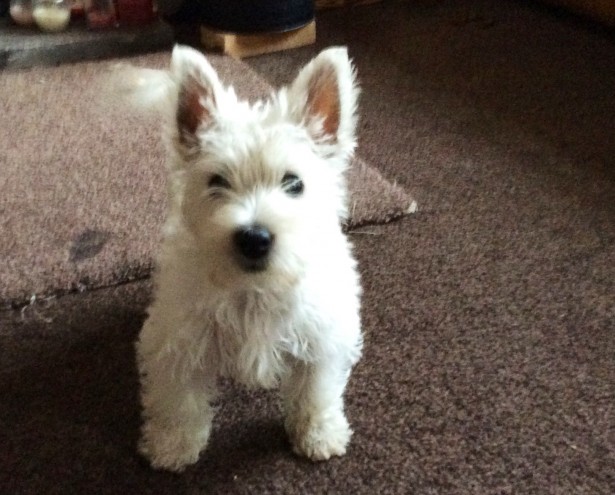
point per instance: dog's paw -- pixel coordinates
(321, 440)
(172, 448)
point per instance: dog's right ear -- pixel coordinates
(323, 98)
(198, 89)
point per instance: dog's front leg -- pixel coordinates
(312, 395)
(177, 386)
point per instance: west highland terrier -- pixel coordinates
(256, 280)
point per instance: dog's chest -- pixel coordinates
(256, 346)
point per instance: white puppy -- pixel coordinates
(255, 279)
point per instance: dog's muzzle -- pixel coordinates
(253, 245)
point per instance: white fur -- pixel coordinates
(295, 324)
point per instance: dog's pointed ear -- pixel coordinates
(324, 99)
(198, 90)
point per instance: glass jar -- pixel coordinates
(21, 12)
(51, 16)
(100, 14)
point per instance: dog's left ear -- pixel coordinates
(199, 90)
(323, 97)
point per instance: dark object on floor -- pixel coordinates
(256, 16)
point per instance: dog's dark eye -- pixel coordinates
(219, 181)
(292, 184)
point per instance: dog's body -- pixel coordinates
(256, 280)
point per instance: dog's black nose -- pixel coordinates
(253, 242)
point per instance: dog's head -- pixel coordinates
(261, 186)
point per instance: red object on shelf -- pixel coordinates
(100, 19)
(135, 12)
(100, 14)
(77, 9)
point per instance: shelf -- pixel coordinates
(26, 47)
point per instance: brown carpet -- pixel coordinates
(489, 316)
(83, 183)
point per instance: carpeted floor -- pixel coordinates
(84, 179)
(489, 315)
